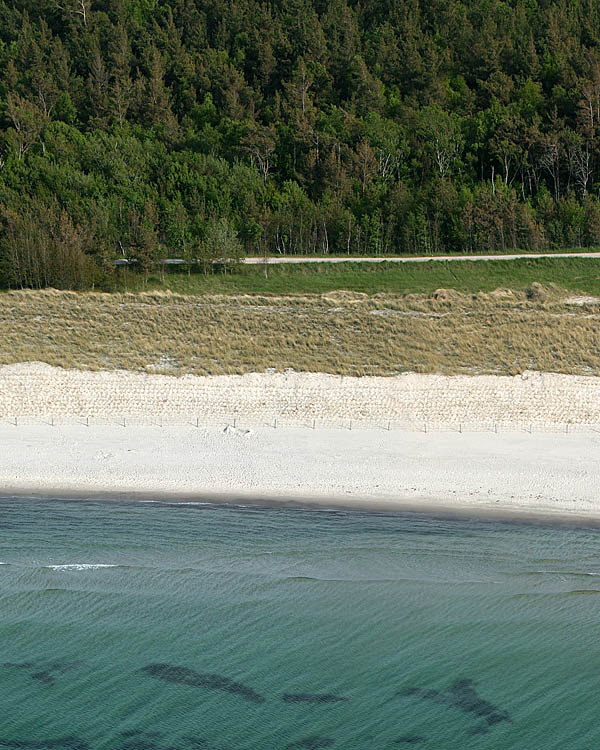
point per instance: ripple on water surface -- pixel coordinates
(136, 626)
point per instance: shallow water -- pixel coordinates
(141, 626)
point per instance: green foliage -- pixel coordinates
(166, 128)
(221, 244)
(43, 248)
(140, 11)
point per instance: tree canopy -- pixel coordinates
(153, 128)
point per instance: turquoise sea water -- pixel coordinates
(226, 627)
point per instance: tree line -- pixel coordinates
(204, 129)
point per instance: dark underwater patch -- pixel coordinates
(62, 743)
(186, 676)
(311, 743)
(410, 739)
(44, 671)
(52, 666)
(462, 695)
(61, 666)
(200, 743)
(140, 739)
(312, 698)
(140, 743)
(46, 677)
(483, 729)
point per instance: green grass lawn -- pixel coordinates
(576, 274)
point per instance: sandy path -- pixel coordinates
(279, 259)
(413, 259)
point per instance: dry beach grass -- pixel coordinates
(349, 333)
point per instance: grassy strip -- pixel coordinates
(338, 332)
(574, 274)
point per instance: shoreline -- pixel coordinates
(427, 508)
(510, 476)
(129, 435)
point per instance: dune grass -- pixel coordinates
(338, 332)
(575, 274)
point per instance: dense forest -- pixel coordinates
(208, 128)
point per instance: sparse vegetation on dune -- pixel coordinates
(500, 332)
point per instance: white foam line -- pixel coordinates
(81, 566)
(191, 502)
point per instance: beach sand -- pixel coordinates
(549, 401)
(517, 473)
(554, 470)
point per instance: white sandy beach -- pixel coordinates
(547, 401)
(482, 472)
(554, 469)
